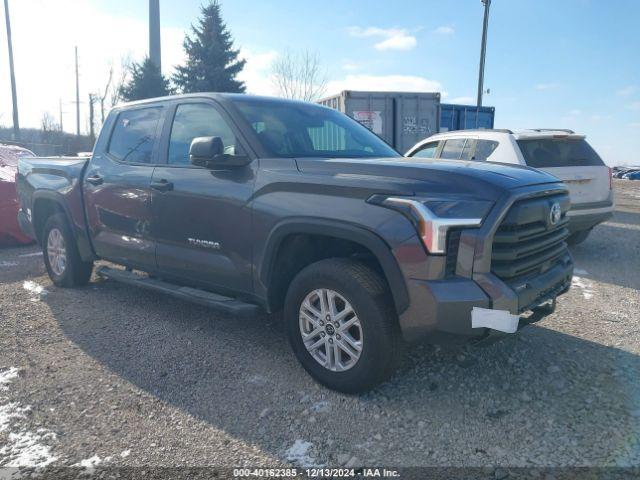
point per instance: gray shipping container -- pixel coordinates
(399, 118)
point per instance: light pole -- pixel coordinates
(483, 49)
(14, 94)
(154, 33)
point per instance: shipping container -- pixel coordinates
(464, 117)
(399, 118)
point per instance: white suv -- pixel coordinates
(562, 153)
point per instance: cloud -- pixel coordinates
(626, 91)
(575, 112)
(546, 86)
(391, 83)
(444, 30)
(49, 61)
(634, 106)
(463, 100)
(634, 124)
(394, 38)
(257, 71)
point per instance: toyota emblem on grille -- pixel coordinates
(555, 213)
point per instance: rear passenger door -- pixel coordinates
(201, 217)
(116, 187)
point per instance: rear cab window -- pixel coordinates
(134, 135)
(558, 152)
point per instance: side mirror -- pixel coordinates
(204, 150)
(208, 152)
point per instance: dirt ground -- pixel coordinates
(108, 375)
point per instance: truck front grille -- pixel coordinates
(527, 241)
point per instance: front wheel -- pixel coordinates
(342, 326)
(61, 257)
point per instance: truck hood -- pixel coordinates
(424, 176)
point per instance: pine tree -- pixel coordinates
(212, 63)
(146, 82)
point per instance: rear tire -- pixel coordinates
(578, 237)
(373, 337)
(61, 256)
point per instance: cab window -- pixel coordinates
(134, 135)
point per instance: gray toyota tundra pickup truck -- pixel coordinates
(250, 204)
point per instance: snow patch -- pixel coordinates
(36, 291)
(10, 412)
(8, 264)
(321, 406)
(580, 271)
(584, 285)
(257, 380)
(6, 376)
(298, 454)
(25, 449)
(34, 254)
(125, 453)
(90, 464)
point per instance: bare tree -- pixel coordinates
(299, 76)
(103, 96)
(115, 96)
(48, 123)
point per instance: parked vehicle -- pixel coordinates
(399, 118)
(635, 175)
(248, 203)
(562, 153)
(10, 233)
(463, 117)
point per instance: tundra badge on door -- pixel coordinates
(204, 243)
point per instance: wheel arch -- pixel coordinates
(333, 229)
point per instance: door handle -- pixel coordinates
(162, 185)
(95, 180)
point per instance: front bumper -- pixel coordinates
(444, 306)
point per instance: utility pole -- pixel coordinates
(92, 132)
(61, 124)
(14, 94)
(154, 33)
(483, 50)
(77, 96)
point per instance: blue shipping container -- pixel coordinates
(464, 117)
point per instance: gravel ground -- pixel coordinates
(114, 376)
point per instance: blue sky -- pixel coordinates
(570, 63)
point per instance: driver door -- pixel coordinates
(201, 218)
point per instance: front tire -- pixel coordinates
(61, 256)
(342, 325)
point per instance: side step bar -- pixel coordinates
(202, 297)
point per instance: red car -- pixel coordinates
(10, 233)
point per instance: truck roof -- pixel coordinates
(222, 97)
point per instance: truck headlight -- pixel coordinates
(433, 217)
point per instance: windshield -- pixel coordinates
(290, 129)
(559, 152)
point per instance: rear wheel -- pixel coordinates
(578, 237)
(61, 257)
(342, 326)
